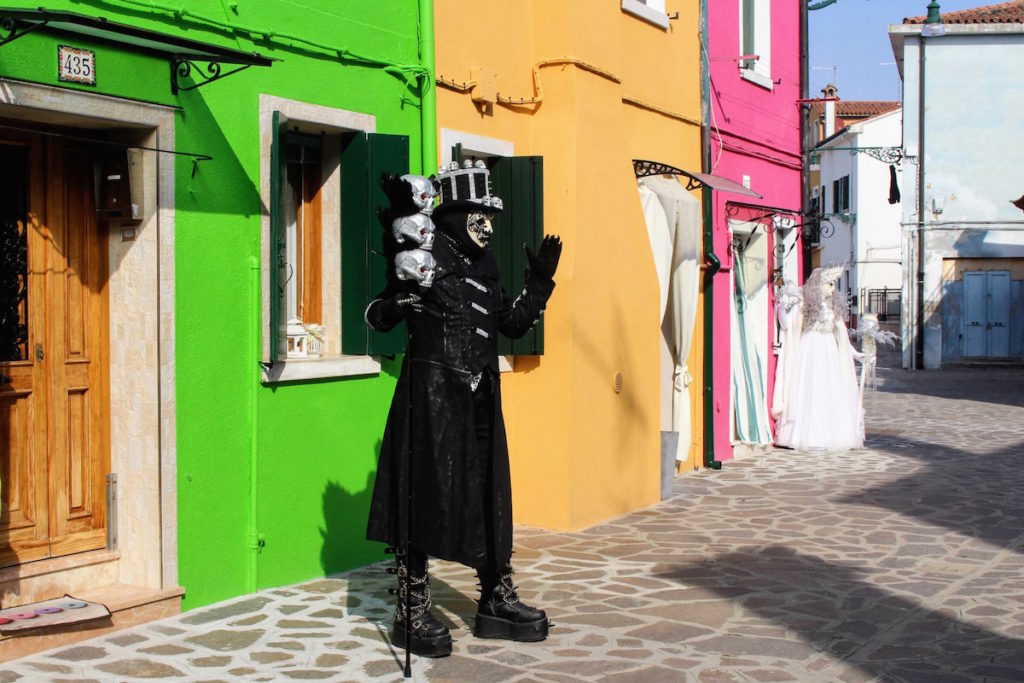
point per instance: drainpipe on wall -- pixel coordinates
(428, 94)
(919, 339)
(932, 28)
(711, 262)
(256, 337)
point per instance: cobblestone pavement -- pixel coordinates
(903, 561)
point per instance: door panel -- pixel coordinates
(975, 309)
(54, 395)
(24, 524)
(77, 348)
(998, 314)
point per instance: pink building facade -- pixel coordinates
(755, 137)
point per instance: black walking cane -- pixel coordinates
(406, 552)
(408, 517)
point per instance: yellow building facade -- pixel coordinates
(589, 87)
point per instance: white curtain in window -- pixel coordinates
(750, 334)
(680, 286)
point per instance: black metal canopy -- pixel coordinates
(642, 167)
(181, 53)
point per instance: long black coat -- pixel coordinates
(462, 504)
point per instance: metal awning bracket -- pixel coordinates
(11, 27)
(182, 67)
(642, 168)
(694, 181)
(182, 53)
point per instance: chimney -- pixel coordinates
(830, 92)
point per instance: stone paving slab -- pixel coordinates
(903, 561)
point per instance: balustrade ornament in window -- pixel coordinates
(303, 341)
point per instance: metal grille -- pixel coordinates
(13, 254)
(885, 303)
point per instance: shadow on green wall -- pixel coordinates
(343, 535)
(345, 517)
(222, 185)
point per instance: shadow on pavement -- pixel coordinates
(837, 611)
(367, 597)
(975, 496)
(996, 384)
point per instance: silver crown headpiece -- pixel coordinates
(471, 183)
(831, 273)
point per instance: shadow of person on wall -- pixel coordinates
(344, 546)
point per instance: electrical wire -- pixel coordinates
(414, 71)
(711, 104)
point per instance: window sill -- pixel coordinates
(296, 370)
(642, 11)
(757, 78)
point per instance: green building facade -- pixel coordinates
(205, 250)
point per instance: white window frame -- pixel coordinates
(760, 73)
(312, 118)
(652, 11)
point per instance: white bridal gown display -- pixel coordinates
(822, 404)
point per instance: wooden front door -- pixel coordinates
(54, 389)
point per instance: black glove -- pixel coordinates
(545, 261)
(383, 314)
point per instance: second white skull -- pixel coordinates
(417, 228)
(415, 265)
(423, 192)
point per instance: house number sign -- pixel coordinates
(75, 65)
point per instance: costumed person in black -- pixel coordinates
(446, 412)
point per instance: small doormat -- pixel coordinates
(49, 613)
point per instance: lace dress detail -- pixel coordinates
(823, 320)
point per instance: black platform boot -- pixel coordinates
(500, 613)
(428, 637)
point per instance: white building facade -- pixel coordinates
(963, 231)
(858, 199)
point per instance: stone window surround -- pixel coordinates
(143, 447)
(314, 118)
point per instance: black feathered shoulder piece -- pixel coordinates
(399, 193)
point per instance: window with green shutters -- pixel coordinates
(322, 240)
(519, 181)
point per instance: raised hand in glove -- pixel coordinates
(545, 261)
(383, 314)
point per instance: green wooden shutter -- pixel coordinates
(278, 176)
(364, 157)
(519, 181)
(503, 237)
